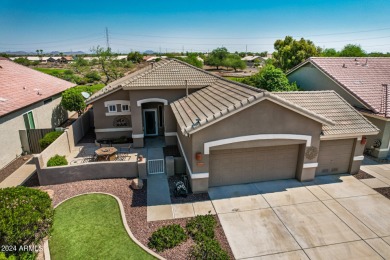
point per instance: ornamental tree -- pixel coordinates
(72, 100)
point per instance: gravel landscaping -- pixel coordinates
(134, 202)
(362, 175)
(384, 191)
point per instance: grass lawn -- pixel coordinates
(91, 89)
(90, 227)
(51, 71)
(234, 79)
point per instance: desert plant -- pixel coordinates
(26, 217)
(57, 160)
(49, 138)
(167, 237)
(208, 249)
(201, 227)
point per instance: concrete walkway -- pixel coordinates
(333, 217)
(19, 176)
(159, 200)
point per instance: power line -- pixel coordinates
(265, 37)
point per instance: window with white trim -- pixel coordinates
(112, 108)
(125, 108)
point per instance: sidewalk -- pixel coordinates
(19, 176)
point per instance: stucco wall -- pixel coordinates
(384, 136)
(309, 77)
(45, 116)
(265, 117)
(89, 171)
(60, 146)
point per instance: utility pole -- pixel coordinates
(107, 40)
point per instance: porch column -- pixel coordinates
(136, 123)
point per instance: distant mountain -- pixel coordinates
(149, 52)
(24, 53)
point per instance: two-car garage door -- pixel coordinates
(234, 166)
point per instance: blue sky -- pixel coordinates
(191, 25)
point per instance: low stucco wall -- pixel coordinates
(89, 171)
(60, 146)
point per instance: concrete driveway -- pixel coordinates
(333, 217)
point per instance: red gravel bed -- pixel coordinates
(362, 175)
(134, 203)
(13, 166)
(384, 191)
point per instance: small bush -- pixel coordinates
(167, 237)
(57, 160)
(200, 227)
(93, 76)
(26, 216)
(208, 249)
(49, 138)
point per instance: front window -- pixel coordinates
(125, 108)
(112, 108)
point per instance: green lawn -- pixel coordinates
(51, 71)
(91, 89)
(90, 227)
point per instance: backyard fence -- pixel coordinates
(30, 139)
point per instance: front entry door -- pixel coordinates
(150, 122)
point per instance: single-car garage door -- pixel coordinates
(334, 156)
(234, 166)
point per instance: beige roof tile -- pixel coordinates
(167, 73)
(330, 105)
(367, 79)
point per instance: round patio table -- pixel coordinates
(106, 154)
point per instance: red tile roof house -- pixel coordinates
(28, 99)
(363, 82)
(231, 133)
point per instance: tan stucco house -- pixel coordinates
(29, 99)
(231, 133)
(363, 82)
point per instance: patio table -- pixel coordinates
(106, 154)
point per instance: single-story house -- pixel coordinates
(231, 133)
(29, 99)
(363, 82)
(254, 60)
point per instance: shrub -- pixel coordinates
(201, 227)
(208, 249)
(72, 100)
(167, 237)
(49, 138)
(57, 160)
(26, 216)
(93, 76)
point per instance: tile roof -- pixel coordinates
(167, 73)
(330, 105)
(21, 86)
(366, 79)
(222, 99)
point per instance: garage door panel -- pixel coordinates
(334, 156)
(236, 166)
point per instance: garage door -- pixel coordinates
(334, 156)
(235, 166)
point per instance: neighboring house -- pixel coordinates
(231, 133)
(254, 60)
(363, 82)
(28, 99)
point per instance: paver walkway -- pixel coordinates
(19, 176)
(333, 217)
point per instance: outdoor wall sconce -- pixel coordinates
(198, 156)
(364, 140)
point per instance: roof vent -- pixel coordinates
(2, 99)
(365, 64)
(344, 66)
(196, 123)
